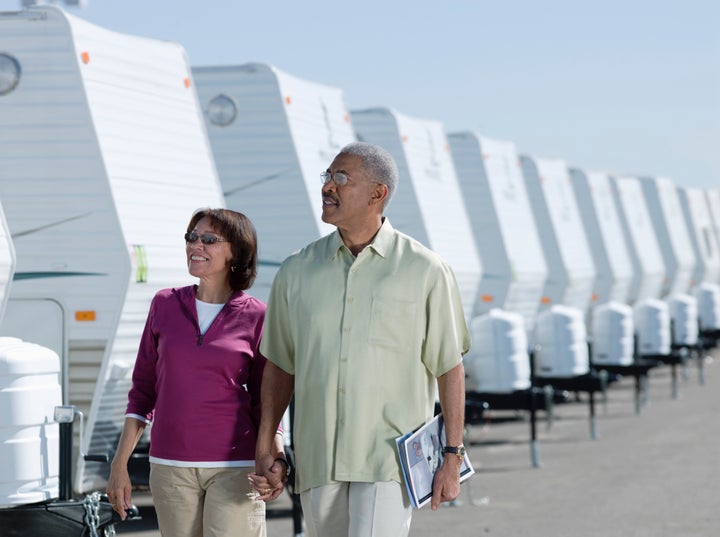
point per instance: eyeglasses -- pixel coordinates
(191, 237)
(340, 178)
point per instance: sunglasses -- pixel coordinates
(191, 237)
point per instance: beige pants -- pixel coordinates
(357, 510)
(206, 502)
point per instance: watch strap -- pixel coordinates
(458, 451)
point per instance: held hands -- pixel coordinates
(269, 478)
(446, 485)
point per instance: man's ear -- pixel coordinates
(379, 193)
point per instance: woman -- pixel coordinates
(197, 380)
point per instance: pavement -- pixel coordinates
(650, 474)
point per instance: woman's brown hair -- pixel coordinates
(239, 231)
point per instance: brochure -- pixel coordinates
(420, 457)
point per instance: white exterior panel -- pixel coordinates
(104, 157)
(605, 236)
(702, 235)
(428, 204)
(507, 240)
(672, 232)
(7, 261)
(571, 271)
(713, 200)
(649, 268)
(270, 156)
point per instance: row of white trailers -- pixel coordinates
(109, 142)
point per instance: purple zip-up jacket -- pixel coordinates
(201, 392)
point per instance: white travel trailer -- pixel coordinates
(7, 261)
(103, 158)
(611, 325)
(272, 134)
(571, 271)
(702, 235)
(514, 269)
(652, 316)
(672, 232)
(649, 268)
(610, 252)
(428, 203)
(713, 199)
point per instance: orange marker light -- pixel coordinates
(85, 57)
(83, 316)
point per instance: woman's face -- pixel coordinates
(208, 261)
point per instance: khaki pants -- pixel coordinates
(357, 510)
(206, 502)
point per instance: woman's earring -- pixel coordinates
(232, 268)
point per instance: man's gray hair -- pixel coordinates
(378, 163)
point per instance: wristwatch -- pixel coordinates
(458, 451)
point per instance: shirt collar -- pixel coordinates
(381, 243)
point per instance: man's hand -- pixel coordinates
(269, 477)
(446, 484)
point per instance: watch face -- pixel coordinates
(461, 451)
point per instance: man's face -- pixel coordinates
(348, 205)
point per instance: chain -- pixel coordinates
(91, 503)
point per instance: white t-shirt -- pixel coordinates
(206, 313)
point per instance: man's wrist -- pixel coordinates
(458, 451)
(451, 457)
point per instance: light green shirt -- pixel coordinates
(366, 338)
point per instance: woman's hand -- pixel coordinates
(269, 478)
(119, 490)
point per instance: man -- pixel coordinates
(361, 326)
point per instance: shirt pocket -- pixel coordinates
(393, 323)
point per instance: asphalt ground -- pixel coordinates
(652, 474)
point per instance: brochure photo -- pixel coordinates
(421, 455)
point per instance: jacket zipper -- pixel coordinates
(200, 336)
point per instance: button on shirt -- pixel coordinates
(366, 338)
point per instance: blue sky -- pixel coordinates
(628, 86)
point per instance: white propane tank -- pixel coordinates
(29, 392)
(652, 325)
(613, 330)
(562, 337)
(708, 297)
(500, 364)
(684, 315)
